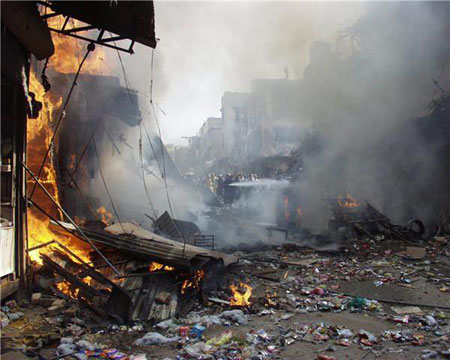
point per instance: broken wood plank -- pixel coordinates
(364, 231)
(265, 277)
(40, 246)
(87, 270)
(219, 301)
(95, 309)
(70, 278)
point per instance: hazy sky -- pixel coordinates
(207, 48)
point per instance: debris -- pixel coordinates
(400, 310)
(154, 338)
(197, 331)
(15, 315)
(199, 350)
(237, 316)
(345, 333)
(430, 320)
(4, 319)
(415, 252)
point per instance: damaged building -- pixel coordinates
(308, 218)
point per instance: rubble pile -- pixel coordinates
(375, 297)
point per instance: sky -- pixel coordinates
(208, 48)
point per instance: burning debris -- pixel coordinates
(363, 218)
(113, 255)
(241, 294)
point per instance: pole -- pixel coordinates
(70, 219)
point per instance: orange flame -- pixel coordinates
(348, 201)
(39, 134)
(198, 277)
(241, 299)
(68, 54)
(154, 266)
(67, 288)
(286, 209)
(269, 299)
(70, 51)
(106, 215)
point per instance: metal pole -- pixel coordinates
(70, 219)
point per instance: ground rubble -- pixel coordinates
(370, 299)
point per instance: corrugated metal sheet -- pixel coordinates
(168, 226)
(147, 245)
(155, 297)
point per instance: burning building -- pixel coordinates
(30, 141)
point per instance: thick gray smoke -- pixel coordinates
(205, 49)
(362, 106)
(354, 95)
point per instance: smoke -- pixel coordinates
(207, 48)
(353, 95)
(361, 110)
(133, 195)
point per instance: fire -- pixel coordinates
(106, 215)
(348, 201)
(198, 277)
(286, 209)
(68, 55)
(186, 284)
(70, 51)
(65, 287)
(154, 266)
(270, 302)
(39, 134)
(241, 299)
(71, 165)
(39, 232)
(70, 290)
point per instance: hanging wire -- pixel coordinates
(162, 149)
(163, 170)
(90, 48)
(163, 173)
(153, 151)
(104, 183)
(143, 176)
(125, 77)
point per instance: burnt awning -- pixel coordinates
(132, 20)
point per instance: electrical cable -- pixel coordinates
(104, 183)
(90, 48)
(125, 77)
(72, 180)
(154, 152)
(163, 170)
(143, 176)
(85, 149)
(162, 149)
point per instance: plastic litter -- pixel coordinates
(167, 324)
(154, 338)
(139, 357)
(236, 316)
(430, 320)
(86, 345)
(66, 349)
(15, 315)
(197, 331)
(66, 340)
(199, 350)
(345, 333)
(221, 339)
